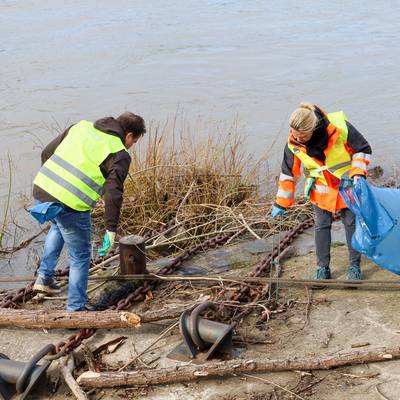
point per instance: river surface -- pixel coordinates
(218, 60)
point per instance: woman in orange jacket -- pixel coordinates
(329, 148)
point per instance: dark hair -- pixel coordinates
(132, 123)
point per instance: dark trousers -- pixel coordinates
(323, 223)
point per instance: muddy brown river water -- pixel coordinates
(217, 60)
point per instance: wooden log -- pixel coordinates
(59, 319)
(193, 372)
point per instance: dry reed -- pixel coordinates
(201, 184)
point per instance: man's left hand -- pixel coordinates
(108, 241)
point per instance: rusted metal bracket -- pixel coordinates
(23, 378)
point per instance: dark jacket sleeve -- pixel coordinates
(288, 161)
(115, 169)
(356, 140)
(51, 147)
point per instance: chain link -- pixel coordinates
(74, 341)
(11, 300)
(63, 348)
(262, 268)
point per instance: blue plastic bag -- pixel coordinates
(377, 212)
(46, 211)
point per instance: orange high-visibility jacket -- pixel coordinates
(347, 154)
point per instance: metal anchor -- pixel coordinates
(200, 334)
(22, 378)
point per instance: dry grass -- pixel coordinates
(199, 182)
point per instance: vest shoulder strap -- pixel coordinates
(339, 118)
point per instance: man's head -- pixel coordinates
(303, 122)
(133, 126)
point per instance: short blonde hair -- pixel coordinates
(303, 118)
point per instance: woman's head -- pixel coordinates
(303, 122)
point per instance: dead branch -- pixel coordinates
(188, 373)
(23, 244)
(59, 319)
(67, 366)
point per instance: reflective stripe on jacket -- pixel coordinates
(72, 174)
(341, 159)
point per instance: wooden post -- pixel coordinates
(132, 255)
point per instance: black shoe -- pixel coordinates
(47, 287)
(89, 308)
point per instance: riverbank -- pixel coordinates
(306, 324)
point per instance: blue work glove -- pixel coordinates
(108, 242)
(277, 211)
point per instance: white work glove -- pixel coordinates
(356, 178)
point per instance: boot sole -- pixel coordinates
(45, 289)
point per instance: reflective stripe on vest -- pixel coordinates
(321, 188)
(338, 159)
(284, 177)
(72, 174)
(80, 175)
(285, 194)
(62, 182)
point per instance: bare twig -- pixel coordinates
(67, 366)
(274, 384)
(149, 347)
(248, 227)
(3, 228)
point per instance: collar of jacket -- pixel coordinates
(332, 134)
(111, 126)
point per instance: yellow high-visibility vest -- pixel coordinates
(72, 174)
(338, 159)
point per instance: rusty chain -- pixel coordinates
(74, 341)
(263, 267)
(139, 294)
(12, 299)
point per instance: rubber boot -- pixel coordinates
(322, 273)
(354, 273)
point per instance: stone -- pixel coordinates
(256, 246)
(192, 270)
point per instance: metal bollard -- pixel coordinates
(20, 377)
(132, 255)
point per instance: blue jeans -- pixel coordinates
(74, 229)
